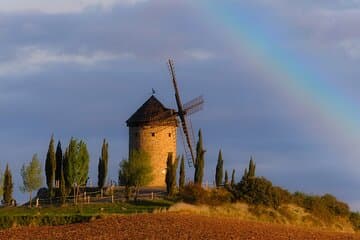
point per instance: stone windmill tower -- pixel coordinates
(153, 129)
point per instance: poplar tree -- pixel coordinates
(226, 180)
(199, 161)
(182, 173)
(103, 164)
(31, 175)
(50, 165)
(8, 186)
(135, 172)
(59, 164)
(76, 165)
(219, 170)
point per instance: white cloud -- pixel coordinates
(33, 59)
(60, 6)
(351, 48)
(199, 54)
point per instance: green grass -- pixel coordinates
(58, 215)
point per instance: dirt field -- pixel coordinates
(170, 226)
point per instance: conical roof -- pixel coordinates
(152, 112)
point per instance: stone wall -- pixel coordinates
(157, 141)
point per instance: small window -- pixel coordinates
(153, 134)
(169, 134)
(136, 134)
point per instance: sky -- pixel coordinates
(279, 79)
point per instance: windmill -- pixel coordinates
(183, 112)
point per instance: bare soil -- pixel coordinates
(171, 226)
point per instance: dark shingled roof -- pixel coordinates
(152, 112)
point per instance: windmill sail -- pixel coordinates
(181, 113)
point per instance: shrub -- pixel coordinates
(324, 207)
(195, 194)
(355, 220)
(259, 191)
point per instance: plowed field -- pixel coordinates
(170, 226)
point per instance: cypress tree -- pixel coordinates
(103, 164)
(226, 180)
(232, 184)
(252, 167)
(59, 164)
(219, 170)
(199, 161)
(182, 173)
(168, 173)
(8, 186)
(50, 166)
(170, 178)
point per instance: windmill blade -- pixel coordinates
(194, 105)
(181, 113)
(187, 129)
(177, 95)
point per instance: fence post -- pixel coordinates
(152, 195)
(37, 202)
(101, 193)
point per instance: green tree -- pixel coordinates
(1, 183)
(252, 167)
(219, 170)
(232, 183)
(182, 173)
(50, 165)
(59, 164)
(31, 176)
(8, 186)
(199, 161)
(226, 179)
(135, 172)
(76, 165)
(170, 178)
(103, 164)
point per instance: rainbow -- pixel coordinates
(287, 71)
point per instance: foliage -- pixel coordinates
(1, 183)
(226, 179)
(355, 220)
(252, 167)
(8, 186)
(50, 165)
(170, 178)
(232, 183)
(76, 163)
(219, 170)
(199, 161)
(31, 176)
(257, 190)
(195, 194)
(59, 163)
(103, 164)
(182, 173)
(324, 207)
(136, 171)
